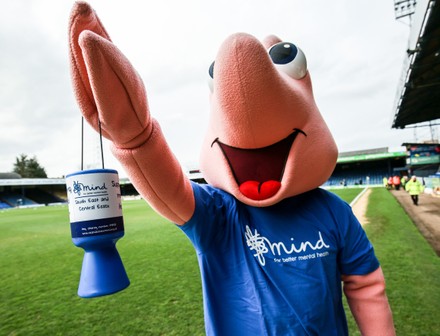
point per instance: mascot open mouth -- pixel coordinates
(258, 172)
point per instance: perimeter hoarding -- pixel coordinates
(423, 154)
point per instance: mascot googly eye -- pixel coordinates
(290, 59)
(211, 77)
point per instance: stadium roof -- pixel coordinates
(31, 181)
(42, 181)
(10, 175)
(370, 155)
(15, 182)
(419, 98)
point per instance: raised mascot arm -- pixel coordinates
(108, 89)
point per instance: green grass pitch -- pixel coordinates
(40, 266)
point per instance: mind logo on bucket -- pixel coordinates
(79, 187)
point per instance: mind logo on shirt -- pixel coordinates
(261, 245)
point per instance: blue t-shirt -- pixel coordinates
(276, 270)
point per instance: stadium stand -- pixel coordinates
(41, 196)
(4, 205)
(14, 199)
(367, 167)
(23, 192)
(363, 167)
(357, 177)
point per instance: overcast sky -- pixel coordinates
(355, 51)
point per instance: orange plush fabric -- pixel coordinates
(253, 106)
(369, 304)
(109, 89)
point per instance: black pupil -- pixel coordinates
(283, 53)
(211, 70)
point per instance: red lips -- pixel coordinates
(259, 171)
(259, 191)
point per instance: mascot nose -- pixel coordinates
(253, 104)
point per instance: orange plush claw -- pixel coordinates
(83, 17)
(106, 85)
(108, 89)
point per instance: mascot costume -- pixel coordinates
(272, 246)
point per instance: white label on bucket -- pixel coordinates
(93, 196)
